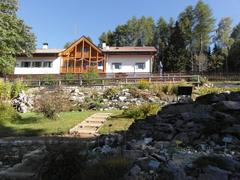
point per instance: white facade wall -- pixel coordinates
(128, 63)
(55, 69)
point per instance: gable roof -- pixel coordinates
(130, 49)
(78, 41)
(48, 51)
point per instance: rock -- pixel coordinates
(212, 173)
(235, 129)
(210, 98)
(122, 98)
(135, 170)
(227, 106)
(153, 164)
(106, 149)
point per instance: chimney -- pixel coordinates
(104, 45)
(45, 46)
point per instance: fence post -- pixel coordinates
(198, 80)
(39, 83)
(59, 82)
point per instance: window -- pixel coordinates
(47, 64)
(117, 65)
(37, 64)
(26, 64)
(140, 65)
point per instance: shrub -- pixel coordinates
(8, 113)
(110, 93)
(143, 84)
(50, 104)
(142, 111)
(48, 80)
(90, 77)
(111, 168)
(5, 90)
(17, 87)
(68, 78)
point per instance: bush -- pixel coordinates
(8, 113)
(5, 90)
(143, 84)
(142, 111)
(17, 87)
(68, 78)
(50, 104)
(48, 80)
(110, 93)
(111, 168)
(90, 77)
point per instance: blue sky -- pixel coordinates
(60, 21)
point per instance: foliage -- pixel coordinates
(5, 90)
(234, 57)
(110, 93)
(141, 111)
(90, 77)
(17, 87)
(50, 104)
(208, 90)
(68, 78)
(8, 113)
(10, 90)
(112, 168)
(48, 80)
(16, 37)
(143, 84)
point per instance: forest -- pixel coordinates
(194, 42)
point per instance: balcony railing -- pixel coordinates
(65, 70)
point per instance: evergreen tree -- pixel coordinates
(176, 56)
(15, 36)
(186, 24)
(236, 33)
(161, 39)
(223, 40)
(203, 27)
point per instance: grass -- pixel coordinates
(116, 123)
(33, 124)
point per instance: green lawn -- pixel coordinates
(116, 123)
(33, 124)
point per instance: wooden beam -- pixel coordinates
(82, 55)
(97, 61)
(75, 60)
(90, 54)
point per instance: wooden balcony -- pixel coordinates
(78, 70)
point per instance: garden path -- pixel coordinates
(90, 126)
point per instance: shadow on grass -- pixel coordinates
(27, 120)
(11, 132)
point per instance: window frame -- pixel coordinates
(37, 62)
(30, 64)
(140, 63)
(51, 64)
(114, 66)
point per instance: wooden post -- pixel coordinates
(75, 59)
(82, 55)
(90, 57)
(97, 61)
